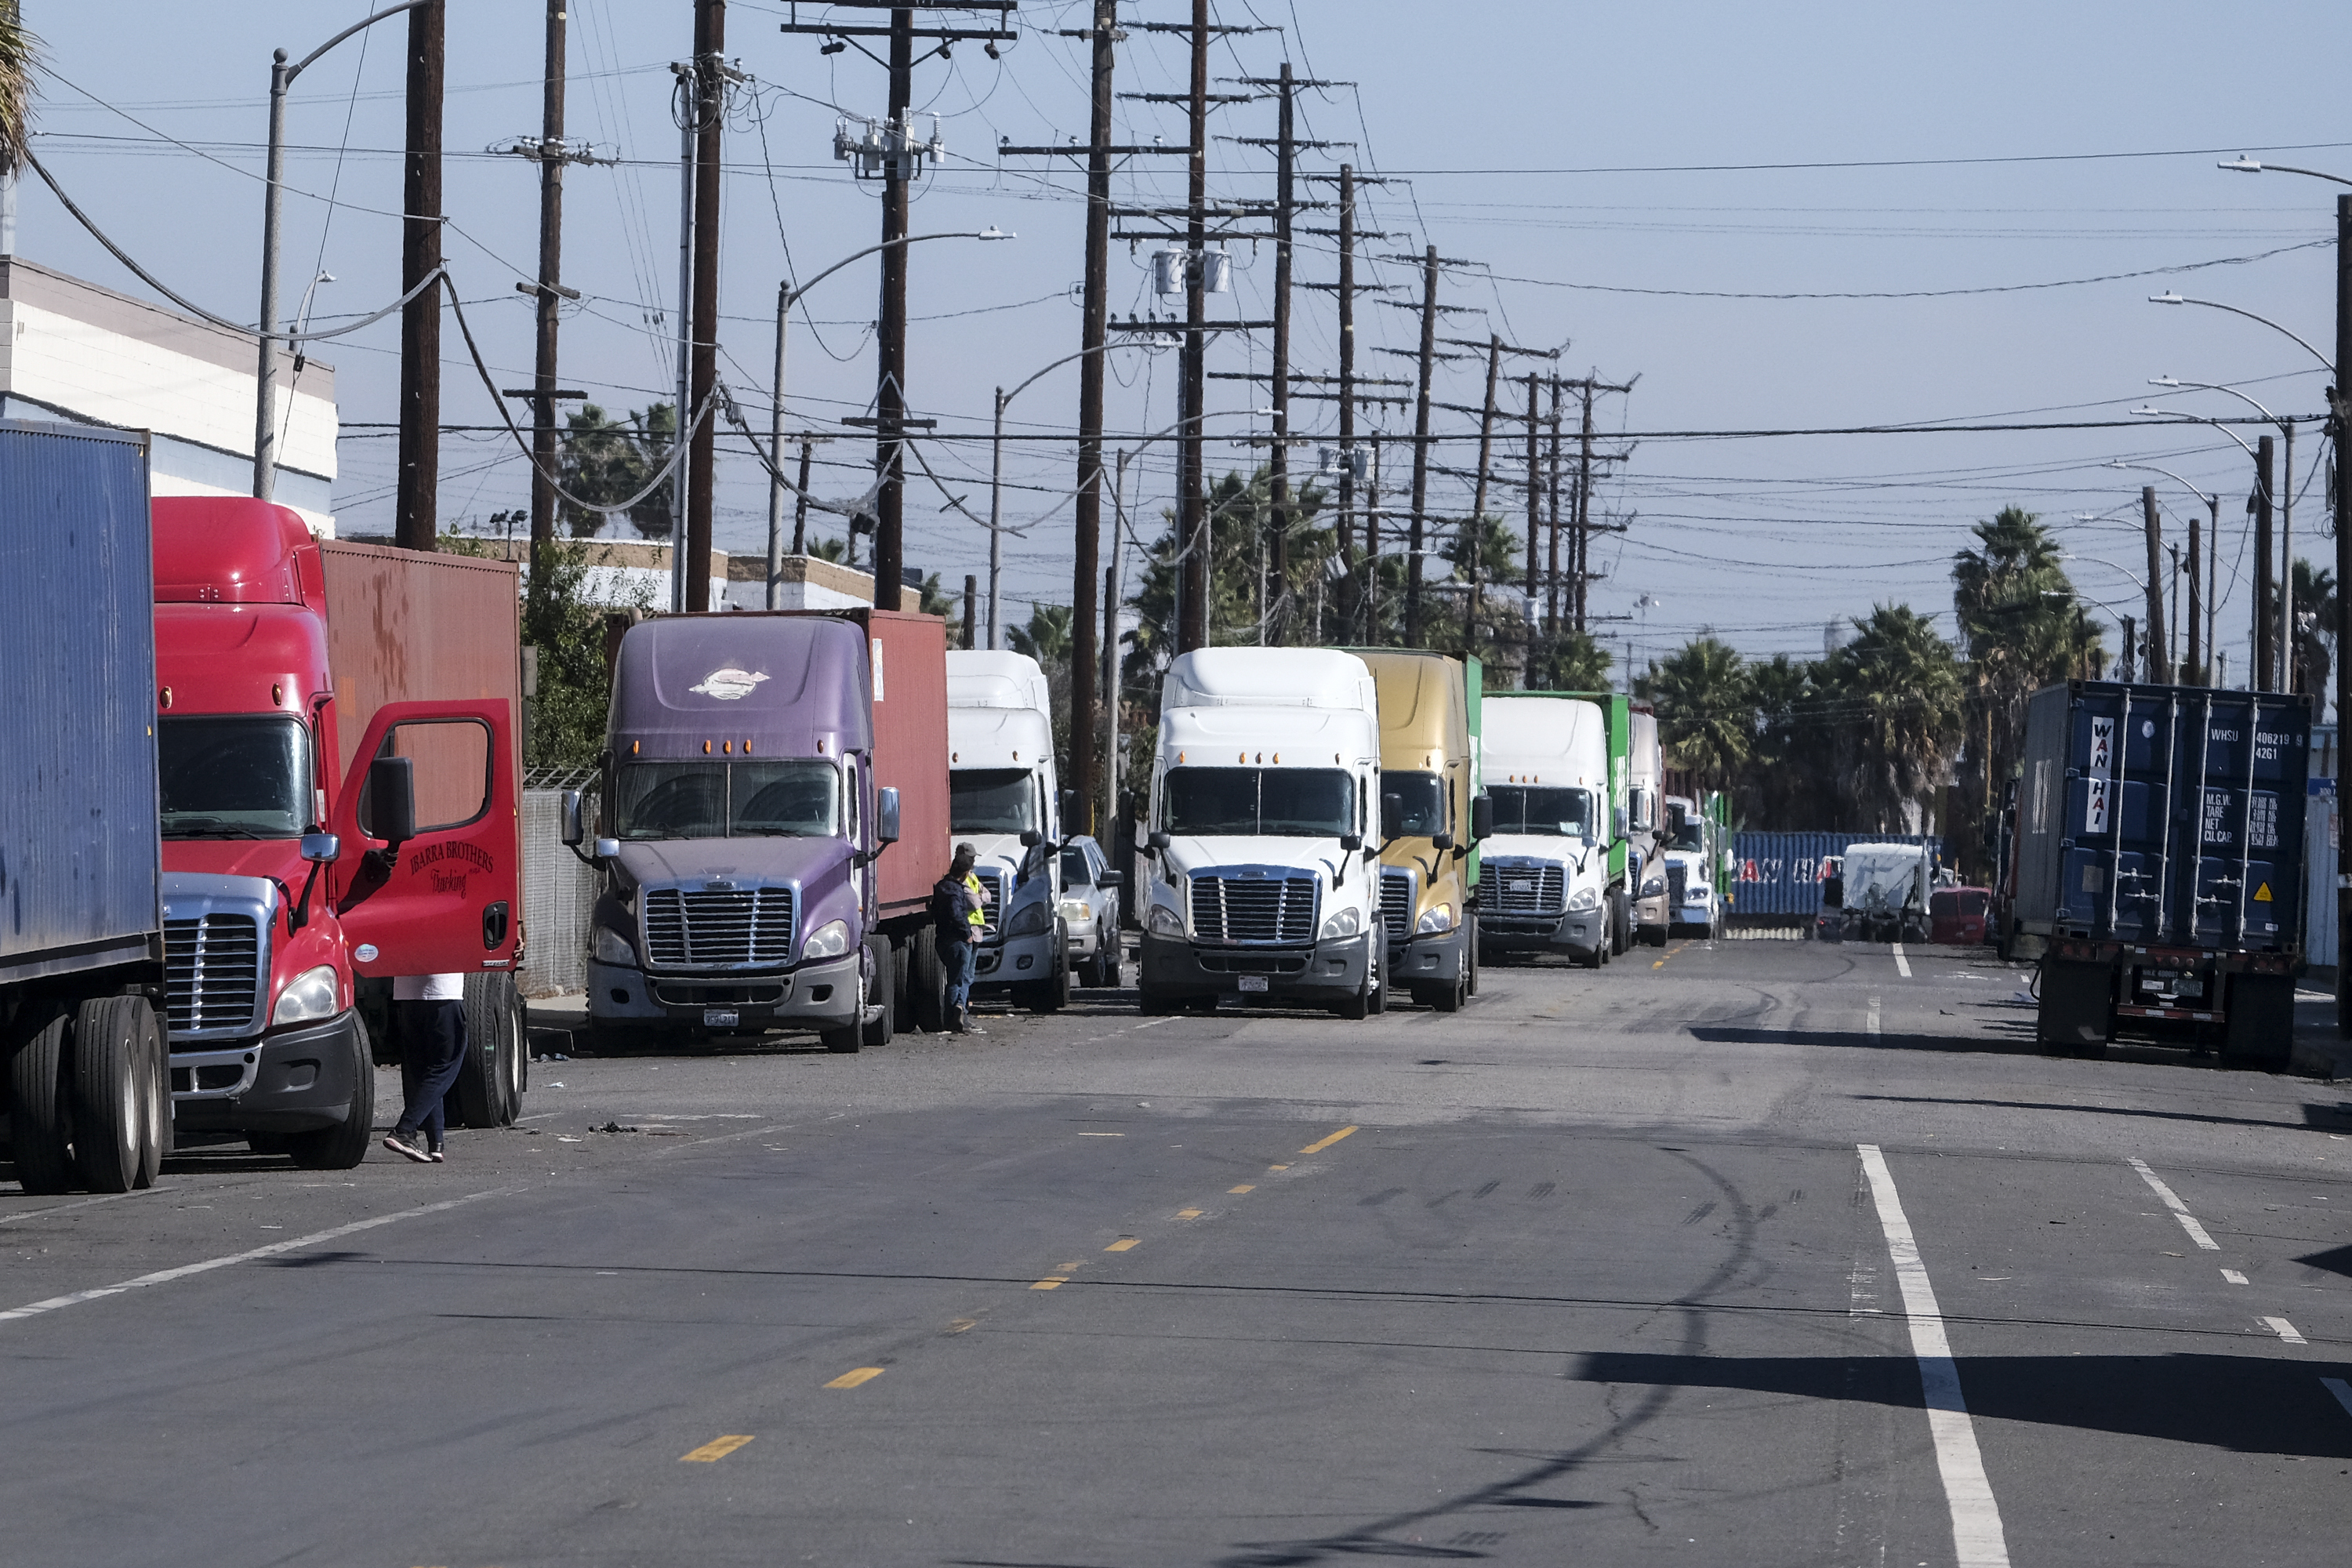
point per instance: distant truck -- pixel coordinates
(1553, 873)
(774, 813)
(1645, 820)
(1004, 802)
(87, 1088)
(2160, 863)
(1698, 861)
(1880, 893)
(1433, 816)
(1265, 798)
(340, 771)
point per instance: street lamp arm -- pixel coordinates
(887, 244)
(2216, 305)
(2200, 419)
(2206, 496)
(361, 25)
(2253, 166)
(2217, 386)
(1055, 365)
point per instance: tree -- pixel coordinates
(604, 461)
(1897, 692)
(1707, 709)
(19, 53)
(1569, 661)
(1240, 516)
(2315, 628)
(1791, 780)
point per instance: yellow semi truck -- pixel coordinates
(1433, 812)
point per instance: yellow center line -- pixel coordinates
(1047, 1284)
(1277, 1167)
(855, 1376)
(1188, 1214)
(1660, 965)
(964, 1324)
(1245, 1187)
(1322, 1143)
(1124, 1243)
(718, 1448)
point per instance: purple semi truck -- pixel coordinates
(774, 813)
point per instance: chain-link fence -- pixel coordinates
(558, 895)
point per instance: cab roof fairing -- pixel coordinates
(1231, 737)
(999, 738)
(775, 686)
(1546, 740)
(981, 678)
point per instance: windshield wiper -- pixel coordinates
(215, 828)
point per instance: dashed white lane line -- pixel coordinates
(1977, 1535)
(2233, 1277)
(166, 1276)
(2285, 1330)
(2180, 1210)
(60, 1208)
(1902, 964)
(1870, 1024)
(2341, 1389)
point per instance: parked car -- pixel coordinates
(1959, 917)
(1090, 913)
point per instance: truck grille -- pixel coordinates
(1677, 879)
(1254, 909)
(213, 971)
(1396, 901)
(1525, 888)
(993, 890)
(705, 927)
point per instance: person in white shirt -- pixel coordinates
(428, 1023)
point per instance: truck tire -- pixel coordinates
(157, 1140)
(2075, 1015)
(1470, 954)
(344, 1145)
(107, 1098)
(885, 991)
(488, 1092)
(927, 978)
(2260, 1030)
(1358, 1008)
(1153, 1003)
(37, 1117)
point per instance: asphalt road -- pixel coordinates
(1759, 1252)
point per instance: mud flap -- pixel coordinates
(2260, 1030)
(2077, 1005)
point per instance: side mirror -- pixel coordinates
(1157, 841)
(608, 850)
(1617, 820)
(1392, 813)
(1030, 838)
(1069, 809)
(1441, 840)
(1111, 880)
(574, 830)
(321, 848)
(390, 808)
(1482, 818)
(886, 815)
(1351, 841)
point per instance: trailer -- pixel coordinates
(85, 1091)
(2160, 861)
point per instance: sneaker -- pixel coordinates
(435, 1154)
(406, 1145)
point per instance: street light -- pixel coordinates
(2283, 497)
(996, 483)
(264, 413)
(2212, 501)
(785, 294)
(2169, 298)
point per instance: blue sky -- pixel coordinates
(1570, 153)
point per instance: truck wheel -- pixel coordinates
(487, 1092)
(106, 1095)
(1470, 955)
(1358, 1008)
(156, 1141)
(344, 1145)
(884, 1028)
(38, 1121)
(927, 979)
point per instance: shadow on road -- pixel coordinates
(2318, 1118)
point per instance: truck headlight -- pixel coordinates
(1031, 918)
(1075, 911)
(1584, 898)
(1164, 922)
(1654, 886)
(1437, 919)
(830, 939)
(310, 994)
(1698, 895)
(612, 947)
(1345, 922)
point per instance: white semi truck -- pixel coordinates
(1645, 813)
(1003, 800)
(1263, 834)
(1546, 880)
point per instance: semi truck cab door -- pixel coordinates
(449, 899)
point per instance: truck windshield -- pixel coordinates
(1412, 805)
(991, 800)
(1300, 802)
(1686, 835)
(234, 778)
(1542, 810)
(794, 799)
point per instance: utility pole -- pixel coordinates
(1418, 533)
(1372, 547)
(2343, 499)
(1477, 526)
(1535, 523)
(2286, 559)
(1354, 593)
(1582, 554)
(2157, 671)
(1276, 611)
(2195, 669)
(2129, 670)
(2265, 657)
(1085, 545)
(416, 518)
(1193, 633)
(1551, 582)
(552, 155)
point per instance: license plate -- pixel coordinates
(1253, 982)
(1521, 887)
(718, 1017)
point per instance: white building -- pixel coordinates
(73, 352)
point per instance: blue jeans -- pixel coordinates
(958, 956)
(432, 1037)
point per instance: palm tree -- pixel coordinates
(2315, 627)
(1900, 702)
(19, 53)
(1707, 709)
(605, 461)
(1792, 777)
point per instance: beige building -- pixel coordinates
(73, 352)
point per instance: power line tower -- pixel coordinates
(892, 151)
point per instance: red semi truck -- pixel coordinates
(336, 735)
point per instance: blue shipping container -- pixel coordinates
(1780, 874)
(79, 847)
